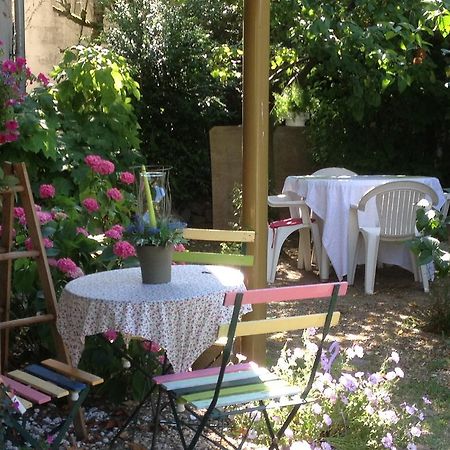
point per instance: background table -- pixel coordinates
(182, 316)
(330, 199)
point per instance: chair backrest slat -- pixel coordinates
(286, 294)
(239, 258)
(223, 259)
(204, 234)
(279, 324)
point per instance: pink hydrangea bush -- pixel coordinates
(350, 409)
(14, 77)
(86, 237)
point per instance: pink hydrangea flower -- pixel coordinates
(92, 160)
(83, 231)
(90, 204)
(66, 265)
(124, 249)
(150, 346)
(77, 273)
(115, 232)
(179, 248)
(99, 165)
(47, 191)
(105, 167)
(19, 212)
(9, 66)
(28, 244)
(48, 243)
(43, 79)
(11, 125)
(44, 217)
(126, 178)
(111, 335)
(21, 62)
(114, 194)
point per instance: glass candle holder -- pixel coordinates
(156, 179)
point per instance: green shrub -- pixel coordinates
(350, 410)
(88, 110)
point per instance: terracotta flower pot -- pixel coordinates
(156, 264)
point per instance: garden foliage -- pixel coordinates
(171, 47)
(349, 409)
(374, 77)
(87, 110)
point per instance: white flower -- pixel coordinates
(391, 376)
(289, 433)
(395, 357)
(300, 445)
(316, 408)
(327, 420)
(424, 203)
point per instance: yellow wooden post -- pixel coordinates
(255, 150)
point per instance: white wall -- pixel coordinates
(5, 27)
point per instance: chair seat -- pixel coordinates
(242, 384)
(37, 384)
(286, 222)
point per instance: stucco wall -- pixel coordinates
(48, 33)
(289, 156)
(5, 27)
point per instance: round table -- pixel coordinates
(182, 316)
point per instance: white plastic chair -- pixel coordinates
(396, 204)
(445, 207)
(279, 231)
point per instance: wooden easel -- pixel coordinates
(22, 191)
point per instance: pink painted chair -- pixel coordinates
(216, 393)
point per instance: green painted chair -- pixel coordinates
(214, 393)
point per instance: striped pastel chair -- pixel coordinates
(215, 393)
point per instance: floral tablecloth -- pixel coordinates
(182, 316)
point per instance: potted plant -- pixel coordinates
(153, 232)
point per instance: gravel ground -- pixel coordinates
(388, 320)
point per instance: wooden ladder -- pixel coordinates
(9, 196)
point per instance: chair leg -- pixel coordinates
(324, 271)
(276, 250)
(371, 244)
(270, 253)
(424, 275)
(415, 269)
(304, 249)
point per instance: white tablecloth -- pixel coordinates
(182, 316)
(330, 199)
